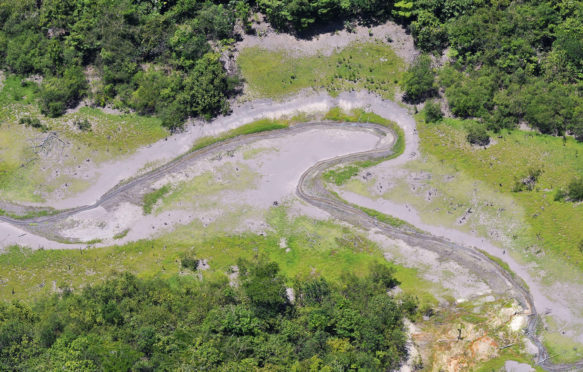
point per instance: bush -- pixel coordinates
(477, 135)
(34, 123)
(419, 80)
(433, 112)
(59, 93)
(528, 182)
(189, 261)
(575, 190)
(83, 125)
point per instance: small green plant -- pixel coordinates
(189, 261)
(121, 234)
(575, 190)
(83, 125)
(152, 198)
(529, 182)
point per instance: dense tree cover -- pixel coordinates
(128, 323)
(513, 61)
(153, 56)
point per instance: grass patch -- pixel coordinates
(150, 199)
(121, 235)
(562, 349)
(389, 220)
(258, 126)
(373, 66)
(28, 215)
(497, 364)
(341, 175)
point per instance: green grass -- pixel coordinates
(150, 199)
(552, 226)
(258, 126)
(341, 175)
(497, 364)
(373, 66)
(389, 220)
(28, 215)
(121, 234)
(561, 348)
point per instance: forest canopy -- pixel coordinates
(184, 323)
(154, 57)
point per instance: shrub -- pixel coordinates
(59, 93)
(419, 80)
(477, 135)
(34, 123)
(528, 182)
(575, 190)
(433, 112)
(83, 125)
(189, 261)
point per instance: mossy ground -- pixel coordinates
(373, 66)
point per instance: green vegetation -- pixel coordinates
(301, 16)
(389, 220)
(262, 125)
(152, 57)
(510, 62)
(372, 66)
(478, 135)
(432, 111)
(129, 323)
(419, 80)
(311, 247)
(549, 225)
(341, 175)
(29, 174)
(575, 190)
(151, 198)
